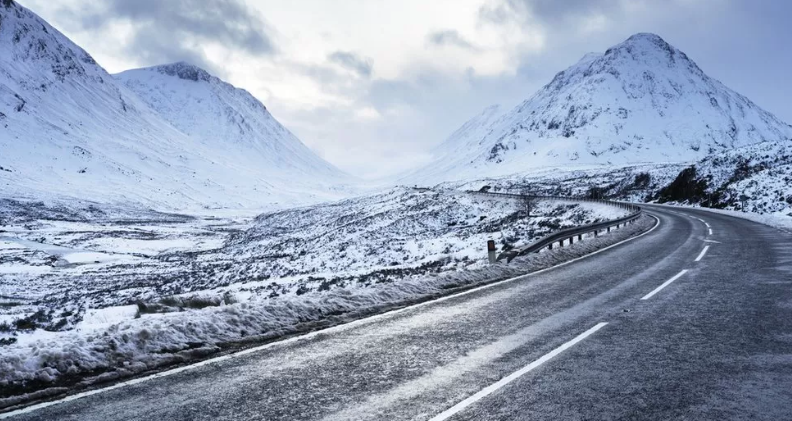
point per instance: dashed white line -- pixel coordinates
(710, 231)
(663, 285)
(450, 412)
(701, 255)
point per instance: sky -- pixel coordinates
(373, 85)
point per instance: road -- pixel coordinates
(653, 329)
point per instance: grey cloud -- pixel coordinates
(545, 11)
(167, 31)
(550, 10)
(361, 66)
(450, 37)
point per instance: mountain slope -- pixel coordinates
(226, 119)
(69, 129)
(641, 101)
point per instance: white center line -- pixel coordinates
(450, 412)
(663, 285)
(710, 231)
(703, 252)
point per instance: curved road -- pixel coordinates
(595, 339)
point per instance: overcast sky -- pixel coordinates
(373, 85)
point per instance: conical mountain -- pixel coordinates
(642, 101)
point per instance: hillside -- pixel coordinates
(755, 178)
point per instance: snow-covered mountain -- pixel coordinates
(226, 119)
(642, 101)
(69, 129)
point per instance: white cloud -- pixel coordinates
(368, 113)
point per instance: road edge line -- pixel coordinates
(470, 400)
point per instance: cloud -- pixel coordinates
(361, 66)
(547, 12)
(450, 37)
(168, 31)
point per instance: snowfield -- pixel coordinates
(285, 269)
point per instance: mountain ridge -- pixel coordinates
(68, 129)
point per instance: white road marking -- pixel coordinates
(663, 285)
(333, 329)
(710, 231)
(701, 255)
(450, 412)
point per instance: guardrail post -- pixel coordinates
(571, 240)
(608, 229)
(580, 237)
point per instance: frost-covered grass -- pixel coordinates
(65, 267)
(77, 300)
(121, 349)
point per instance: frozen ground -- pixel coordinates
(82, 298)
(636, 183)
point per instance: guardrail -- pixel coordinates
(568, 233)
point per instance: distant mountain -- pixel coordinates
(228, 120)
(642, 101)
(69, 129)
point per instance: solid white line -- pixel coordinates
(663, 285)
(450, 412)
(703, 252)
(337, 328)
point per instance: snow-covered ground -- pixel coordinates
(125, 295)
(636, 183)
(118, 341)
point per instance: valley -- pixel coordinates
(162, 217)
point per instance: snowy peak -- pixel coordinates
(30, 39)
(184, 71)
(642, 101)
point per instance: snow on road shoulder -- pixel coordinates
(776, 220)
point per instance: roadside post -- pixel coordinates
(491, 251)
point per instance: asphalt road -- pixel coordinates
(575, 342)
